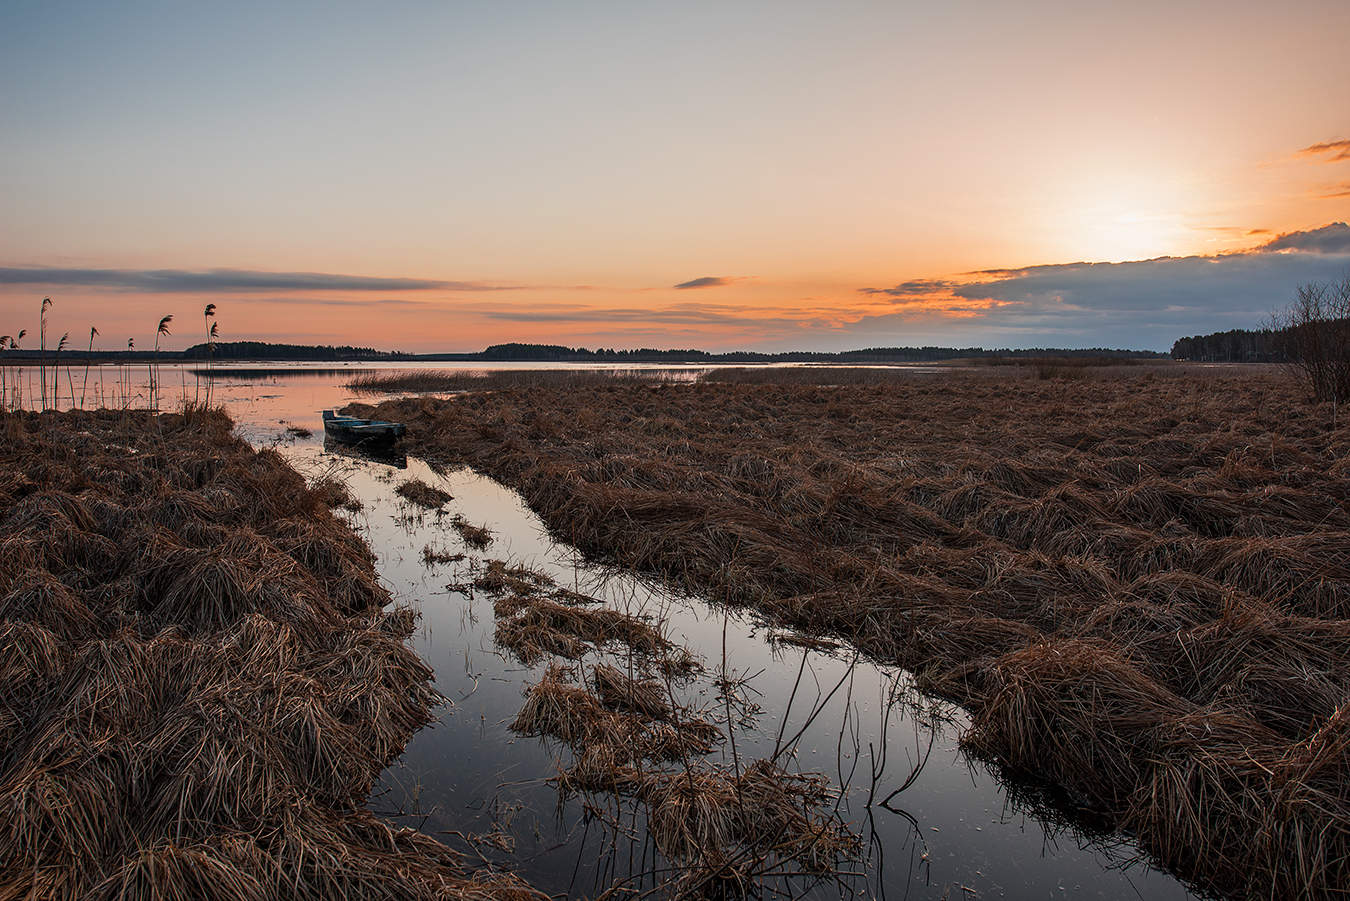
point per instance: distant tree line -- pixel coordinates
(262, 350)
(1233, 346)
(554, 353)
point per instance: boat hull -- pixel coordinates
(361, 431)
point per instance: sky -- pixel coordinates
(722, 175)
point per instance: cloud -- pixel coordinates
(681, 314)
(1141, 303)
(916, 287)
(1331, 191)
(1336, 150)
(708, 281)
(212, 281)
(1333, 238)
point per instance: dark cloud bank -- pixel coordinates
(1144, 303)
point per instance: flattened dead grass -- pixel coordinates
(429, 497)
(201, 681)
(628, 736)
(1139, 586)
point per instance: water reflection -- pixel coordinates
(932, 822)
(370, 452)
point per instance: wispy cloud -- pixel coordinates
(681, 314)
(915, 288)
(212, 281)
(708, 281)
(1334, 151)
(1341, 190)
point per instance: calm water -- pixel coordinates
(953, 832)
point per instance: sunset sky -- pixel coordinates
(442, 176)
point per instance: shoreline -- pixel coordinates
(204, 675)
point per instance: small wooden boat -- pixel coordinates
(358, 431)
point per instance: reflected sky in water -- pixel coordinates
(952, 832)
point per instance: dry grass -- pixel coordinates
(432, 556)
(443, 381)
(971, 367)
(429, 497)
(1139, 586)
(476, 537)
(536, 618)
(717, 825)
(201, 680)
(819, 375)
(630, 737)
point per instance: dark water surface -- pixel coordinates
(953, 832)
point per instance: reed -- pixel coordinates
(56, 373)
(16, 343)
(6, 344)
(42, 346)
(1138, 586)
(93, 333)
(212, 333)
(160, 331)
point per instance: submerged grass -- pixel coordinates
(476, 537)
(201, 678)
(1138, 586)
(720, 827)
(429, 497)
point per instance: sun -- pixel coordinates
(1118, 218)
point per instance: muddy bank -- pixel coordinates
(202, 680)
(1138, 586)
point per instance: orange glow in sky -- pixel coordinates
(827, 175)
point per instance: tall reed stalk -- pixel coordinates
(56, 375)
(154, 369)
(124, 377)
(6, 342)
(42, 346)
(93, 333)
(16, 343)
(207, 315)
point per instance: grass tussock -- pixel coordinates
(433, 556)
(476, 537)
(201, 679)
(1138, 586)
(429, 497)
(536, 618)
